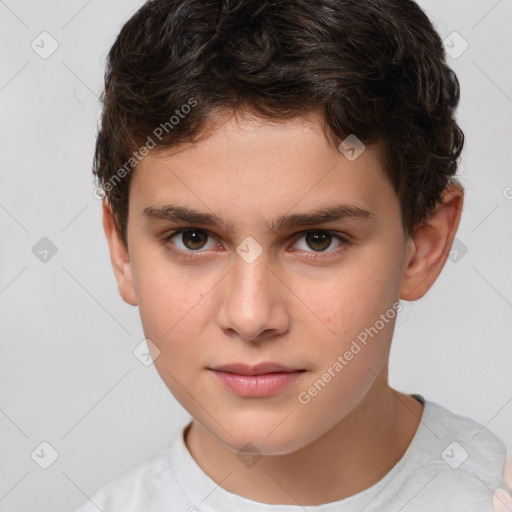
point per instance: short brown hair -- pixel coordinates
(373, 68)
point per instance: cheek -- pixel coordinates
(176, 310)
(168, 298)
(346, 363)
(351, 298)
(355, 311)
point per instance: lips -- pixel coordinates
(259, 369)
(259, 381)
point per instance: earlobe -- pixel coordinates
(119, 256)
(430, 247)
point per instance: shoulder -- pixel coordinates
(145, 487)
(465, 443)
(458, 460)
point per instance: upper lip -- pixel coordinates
(259, 369)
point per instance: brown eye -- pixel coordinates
(319, 240)
(194, 239)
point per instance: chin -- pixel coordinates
(255, 435)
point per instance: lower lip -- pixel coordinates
(257, 386)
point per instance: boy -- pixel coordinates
(278, 175)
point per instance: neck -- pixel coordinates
(351, 457)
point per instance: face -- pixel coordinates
(231, 261)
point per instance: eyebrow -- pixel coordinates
(336, 213)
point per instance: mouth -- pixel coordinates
(259, 369)
(262, 380)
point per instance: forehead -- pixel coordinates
(257, 168)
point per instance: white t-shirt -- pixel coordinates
(452, 464)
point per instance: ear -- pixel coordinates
(429, 248)
(119, 256)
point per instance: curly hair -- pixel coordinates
(373, 68)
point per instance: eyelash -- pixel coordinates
(310, 255)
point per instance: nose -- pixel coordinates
(254, 304)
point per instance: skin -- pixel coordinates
(502, 500)
(292, 305)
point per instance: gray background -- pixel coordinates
(68, 375)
